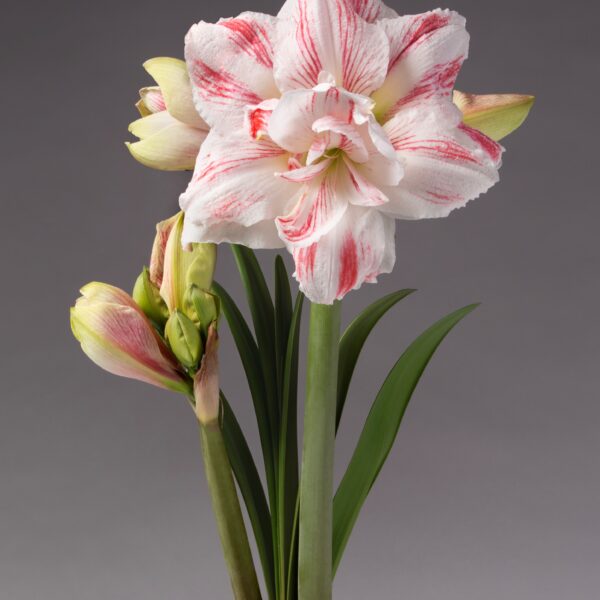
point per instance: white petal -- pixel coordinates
(231, 66)
(357, 250)
(445, 165)
(426, 53)
(260, 235)
(369, 10)
(329, 36)
(236, 181)
(319, 207)
(291, 124)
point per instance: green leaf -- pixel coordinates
(353, 340)
(283, 317)
(381, 428)
(263, 318)
(249, 354)
(287, 492)
(248, 480)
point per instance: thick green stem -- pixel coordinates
(316, 481)
(228, 513)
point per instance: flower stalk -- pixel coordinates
(225, 501)
(316, 482)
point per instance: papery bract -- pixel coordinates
(170, 130)
(328, 122)
(117, 336)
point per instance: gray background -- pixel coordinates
(492, 490)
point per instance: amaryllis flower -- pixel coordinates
(328, 122)
(170, 130)
(117, 336)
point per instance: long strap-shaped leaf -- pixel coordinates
(263, 318)
(353, 340)
(248, 480)
(249, 354)
(381, 427)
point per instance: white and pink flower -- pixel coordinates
(328, 122)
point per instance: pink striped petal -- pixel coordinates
(152, 99)
(369, 10)
(118, 337)
(231, 65)
(302, 174)
(260, 235)
(330, 37)
(344, 136)
(291, 124)
(319, 207)
(157, 258)
(357, 250)
(363, 192)
(446, 164)
(256, 118)
(235, 181)
(427, 51)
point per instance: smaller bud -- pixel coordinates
(207, 307)
(206, 381)
(184, 339)
(147, 297)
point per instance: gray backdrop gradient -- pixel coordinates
(493, 489)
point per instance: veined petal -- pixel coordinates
(495, 115)
(357, 250)
(235, 181)
(307, 173)
(231, 65)
(260, 235)
(427, 51)
(291, 124)
(363, 191)
(172, 148)
(344, 136)
(319, 207)
(151, 101)
(369, 10)
(174, 82)
(445, 165)
(329, 36)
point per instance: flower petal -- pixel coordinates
(173, 148)
(495, 115)
(260, 235)
(319, 207)
(231, 65)
(235, 181)
(330, 37)
(357, 250)
(369, 10)
(445, 164)
(364, 191)
(157, 258)
(151, 124)
(174, 82)
(426, 53)
(291, 123)
(151, 101)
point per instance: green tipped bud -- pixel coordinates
(207, 307)
(148, 298)
(184, 339)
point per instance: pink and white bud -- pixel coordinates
(118, 337)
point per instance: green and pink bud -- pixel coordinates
(495, 115)
(116, 335)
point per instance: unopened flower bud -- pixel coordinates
(495, 115)
(206, 381)
(148, 298)
(185, 267)
(117, 336)
(184, 339)
(207, 307)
